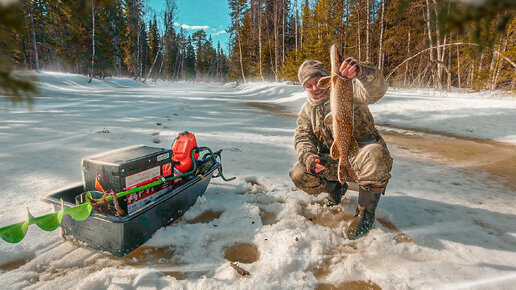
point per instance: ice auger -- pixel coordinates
(16, 232)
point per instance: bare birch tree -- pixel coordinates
(380, 52)
(34, 42)
(368, 19)
(92, 39)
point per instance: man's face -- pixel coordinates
(313, 90)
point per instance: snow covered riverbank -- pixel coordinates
(440, 227)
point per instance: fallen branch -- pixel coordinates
(239, 270)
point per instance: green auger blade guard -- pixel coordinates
(14, 233)
(79, 212)
(48, 222)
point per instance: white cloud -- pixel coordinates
(176, 24)
(194, 27)
(220, 32)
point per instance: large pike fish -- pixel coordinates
(341, 103)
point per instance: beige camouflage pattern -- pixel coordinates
(314, 135)
(372, 164)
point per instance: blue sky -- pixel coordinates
(210, 15)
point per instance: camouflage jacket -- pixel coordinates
(314, 132)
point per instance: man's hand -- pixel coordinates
(313, 164)
(350, 68)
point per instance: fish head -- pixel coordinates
(335, 59)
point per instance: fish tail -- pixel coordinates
(342, 171)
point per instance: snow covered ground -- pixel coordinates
(452, 229)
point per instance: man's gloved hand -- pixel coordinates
(350, 68)
(313, 164)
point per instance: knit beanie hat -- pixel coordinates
(310, 69)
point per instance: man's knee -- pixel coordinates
(375, 155)
(373, 164)
(296, 173)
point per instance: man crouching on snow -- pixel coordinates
(316, 171)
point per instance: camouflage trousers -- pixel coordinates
(372, 164)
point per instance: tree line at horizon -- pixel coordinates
(103, 38)
(422, 43)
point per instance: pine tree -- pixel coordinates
(190, 60)
(131, 43)
(238, 11)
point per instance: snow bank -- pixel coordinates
(477, 115)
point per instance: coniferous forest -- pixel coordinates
(423, 43)
(104, 38)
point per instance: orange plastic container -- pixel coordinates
(182, 150)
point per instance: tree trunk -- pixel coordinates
(271, 53)
(380, 52)
(449, 68)
(55, 63)
(295, 27)
(408, 55)
(260, 39)
(137, 63)
(344, 28)
(481, 68)
(513, 86)
(358, 34)
(276, 40)
(240, 56)
(472, 73)
(34, 42)
(492, 69)
(429, 30)
(161, 66)
(367, 29)
(439, 49)
(458, 66)
(92, 39)
(26, 56)
(499, 65)
(283, 36)
(153, 63)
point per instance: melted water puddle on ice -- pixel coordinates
(205, 217)
(242, 253)
(349, 285)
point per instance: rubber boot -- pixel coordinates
(336, 191)
(363, 221)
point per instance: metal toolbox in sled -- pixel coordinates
(121, 235)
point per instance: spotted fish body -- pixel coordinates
(341, 103)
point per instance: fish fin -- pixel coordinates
(324, 82)
(342, 171)
(334, 151)
(334, 79)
